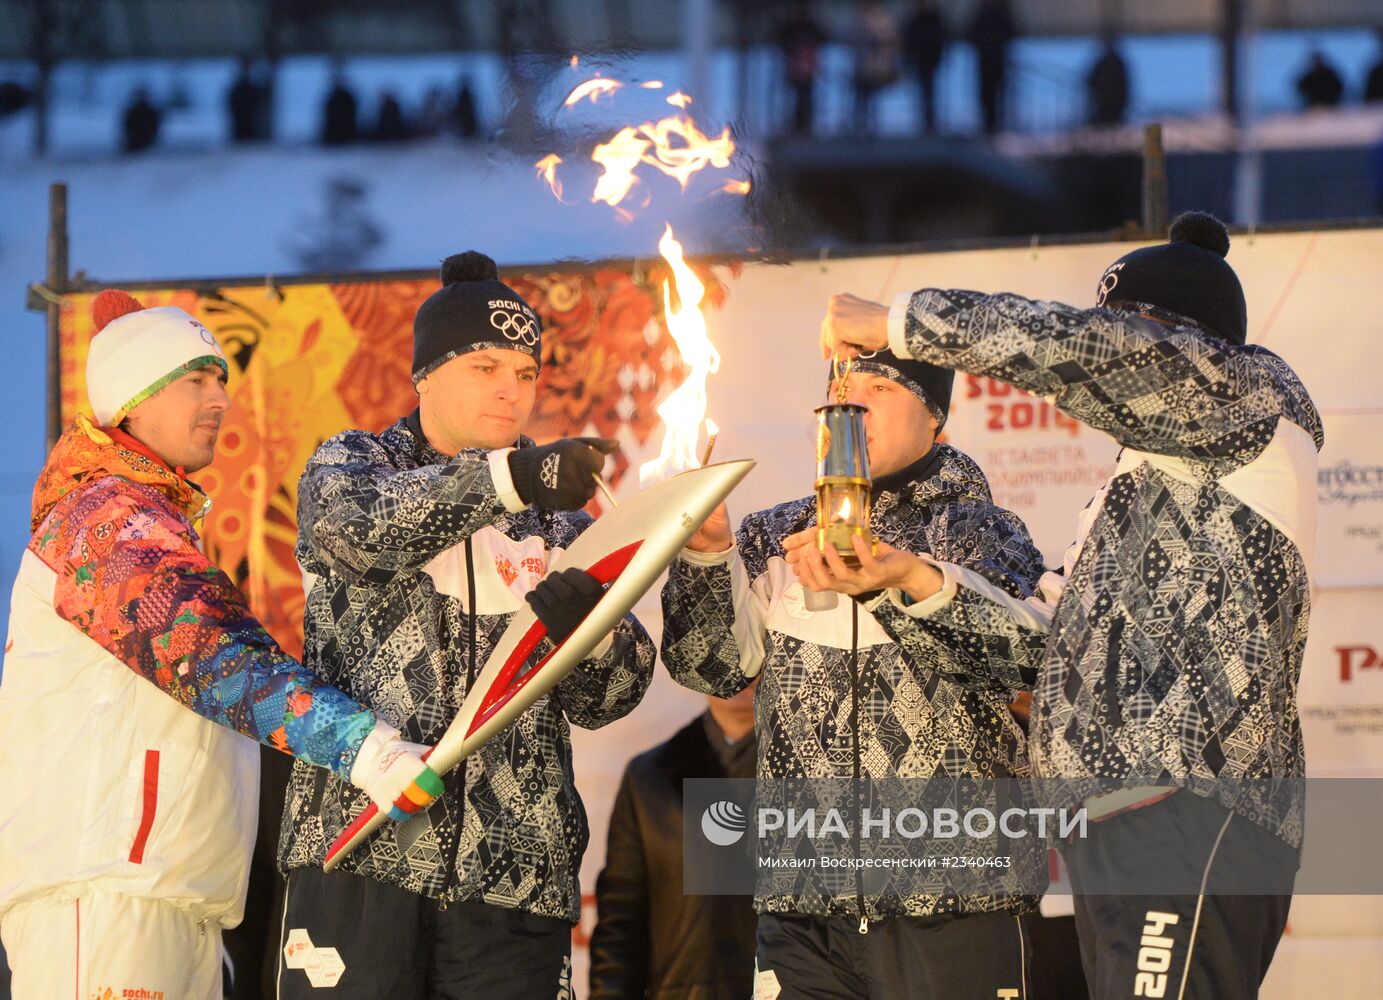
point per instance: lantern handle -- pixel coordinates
(842, 378)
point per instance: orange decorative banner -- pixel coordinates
(309, 361)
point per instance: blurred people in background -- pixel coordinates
(432, 118)
(14, 96)
(924, 39)
(340, 124)
(1106, 85)
(650, 939)
(247, 105)
(391, 125)
(800, 39)
(878, 45)
(1373, 83)
(463, 114)
(1320, 86)
(140, 124)
(991, 32)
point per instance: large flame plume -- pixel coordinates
(684, 410)
(676, 147)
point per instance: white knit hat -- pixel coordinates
(138, 351)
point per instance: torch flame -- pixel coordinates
(684, 410)
(592, 88)
(547, 170)
(618, 157)
(673, 145)
(680, 149)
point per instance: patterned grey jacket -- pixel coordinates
(890, 715)
(1167, 651)
(403, 542)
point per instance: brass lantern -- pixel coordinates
(842, 488)
(842, 479)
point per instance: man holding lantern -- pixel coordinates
(841, 702)
(1164, 656)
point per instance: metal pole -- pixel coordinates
(1154, 183)
(1248, 162)
(1231, 29)
(44, 29)
(57, 283)
(698, 17)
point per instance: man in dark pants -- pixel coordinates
(421, 542)
(652, 939)
(991, 33)
(842, 704)
(1165, 654)
(924, 38)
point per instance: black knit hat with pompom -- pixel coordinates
(472, 311)
(1188, 276)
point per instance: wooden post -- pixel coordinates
(57, 284)
(1154, 183)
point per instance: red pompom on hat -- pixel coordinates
(137, 351)
(111, 303)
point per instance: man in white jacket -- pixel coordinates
(125, 844)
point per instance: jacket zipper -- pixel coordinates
(855, 735)
(470, 679)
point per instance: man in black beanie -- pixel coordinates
(1164, 655)
(840, 700)
(418, 544)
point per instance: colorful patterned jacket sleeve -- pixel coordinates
(130, 576)
(367, 522)
(713, 615)
(610, 685)
(992, 545)
(1153, 387)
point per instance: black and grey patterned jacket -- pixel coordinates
(1167, 652)
(730, 615)
(390, 530)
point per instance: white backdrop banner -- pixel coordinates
(1308, 301)
(1349, 525)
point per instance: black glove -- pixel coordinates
(563, 600)
(561, 475)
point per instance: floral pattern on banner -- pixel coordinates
(308, 361)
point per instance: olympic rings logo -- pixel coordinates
(1108, 283)
(515, 326)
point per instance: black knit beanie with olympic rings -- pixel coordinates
(1187, 276)
(472, 311)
